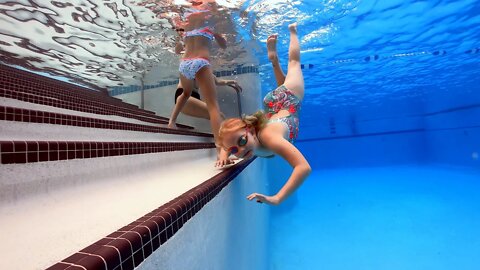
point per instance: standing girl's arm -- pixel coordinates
(221, 41)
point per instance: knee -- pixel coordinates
(294, 62)
(186, 94)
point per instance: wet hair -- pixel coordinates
(256, 120)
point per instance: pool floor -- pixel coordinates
(405, 217)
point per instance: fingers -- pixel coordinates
(258, 197)
(224, 162)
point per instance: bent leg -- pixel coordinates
(196, 108)
(294, 80)
(273, 57)
(181, 100)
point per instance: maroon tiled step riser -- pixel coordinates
(23, 78)
(72, 102)
(33, 116)
(132, 244)
(80, 107)
(17, 152)
(65, 94)
(72, 98)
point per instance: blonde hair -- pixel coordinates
(256, 120)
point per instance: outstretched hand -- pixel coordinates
(223, 159)
(260, 198)
(224, 162)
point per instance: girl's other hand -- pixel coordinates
(260, 198)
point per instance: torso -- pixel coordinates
(281, 107)
(197, 46)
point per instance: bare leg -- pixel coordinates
(273, 57)
(181, 100)
(196, 108)
(294, 80)
(206, 83)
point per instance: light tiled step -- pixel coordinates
(21, 131)
(26, 86)
(19, 104)
(78, 202)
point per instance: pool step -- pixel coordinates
(21, 115)
(33, 88)
(80, 169)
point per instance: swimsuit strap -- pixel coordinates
(204, 32)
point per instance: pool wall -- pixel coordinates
(445, 130)
(229, 232)
(453, 129)
(159, 95)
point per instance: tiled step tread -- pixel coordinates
(25, 78)
(80, 107)
(36, 116)
(127, 247)
(18, 152)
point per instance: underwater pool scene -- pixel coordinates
(390, 121)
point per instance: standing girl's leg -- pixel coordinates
(196, 108)
(273, 57)
(294, 80)
(206, 83)
(181, 100)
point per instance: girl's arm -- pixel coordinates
(221, 41)
(179, 47)
(232, 83)
(301, 169)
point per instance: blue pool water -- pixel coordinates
(401, 217)
(391, 127)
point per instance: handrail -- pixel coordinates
(239, 100)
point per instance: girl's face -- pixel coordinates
(241, 143)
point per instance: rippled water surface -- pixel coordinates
(360, 53)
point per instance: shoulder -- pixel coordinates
(271, 133)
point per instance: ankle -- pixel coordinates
(273, 59)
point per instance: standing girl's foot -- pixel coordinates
(272, 47)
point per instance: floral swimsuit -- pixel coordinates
(283, 99)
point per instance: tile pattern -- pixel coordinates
(119, 90)
(30, 87)
(34, 116)
(16, 152)
(129, 246)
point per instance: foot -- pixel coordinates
(272, 47)
(292, 27)
(172, 125)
